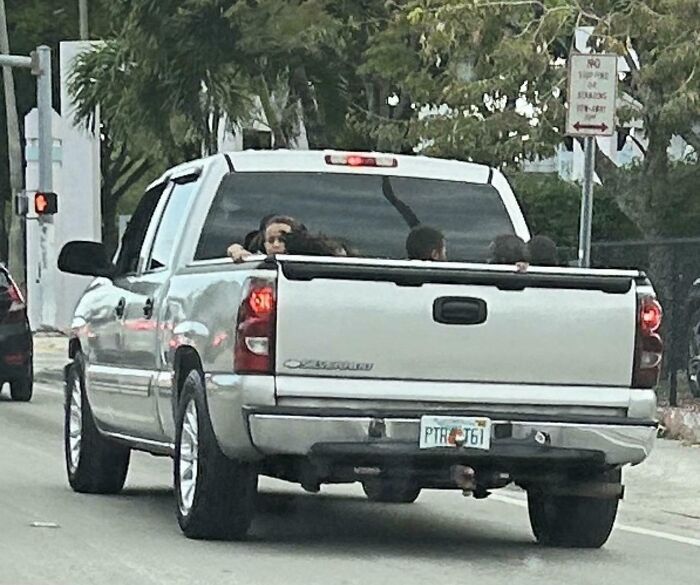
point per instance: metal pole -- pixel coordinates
(44, 106)
(584, 238)
(16, 61)
(45, 114)
(83, 7)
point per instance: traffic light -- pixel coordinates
(45, 203)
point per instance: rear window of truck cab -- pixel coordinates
(372, 214)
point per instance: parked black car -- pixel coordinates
(16, 345)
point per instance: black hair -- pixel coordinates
(508, 249)
(256, 240)
(422, 241)
(303, 243)
(543, 251)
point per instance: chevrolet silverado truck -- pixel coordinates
(399, 374)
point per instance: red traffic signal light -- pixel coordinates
(45, 203)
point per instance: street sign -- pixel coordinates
(592, 94)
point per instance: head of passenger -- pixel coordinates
(276, 229)
(508, 249)
(426, 243)
(543, 251)
(305, 244)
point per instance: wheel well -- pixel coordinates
(186, 360)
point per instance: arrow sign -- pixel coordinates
(592, 94)
(602, 127)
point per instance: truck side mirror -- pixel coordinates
(85, 258)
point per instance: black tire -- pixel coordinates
(390, 491)
(21, 389)
(101, 465)
(222, 505)
(571, 521)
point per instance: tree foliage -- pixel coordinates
(490, 83)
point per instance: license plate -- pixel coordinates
(444, 431)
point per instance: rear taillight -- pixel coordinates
(648, 344)
(255, 329)
(17, 309)
(16, 299)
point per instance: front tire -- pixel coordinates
(390, 491)
(215, 495)
(95, 465)
(571, 521)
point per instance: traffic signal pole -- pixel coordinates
(45, 185)
(40, 65)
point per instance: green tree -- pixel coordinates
(35, 22)
(491, 82)
(552, 207)
(30, 23)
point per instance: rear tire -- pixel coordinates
(21, 389)
(95, 465)
(215, 495)
(390, 491)
(572, 521)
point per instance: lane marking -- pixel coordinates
(622, 527)
(659, 534)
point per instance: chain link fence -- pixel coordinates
(673, 266)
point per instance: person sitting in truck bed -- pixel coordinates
(303, 243)
(275, 228)
(426, 243)
(543, 251)
(509, 249)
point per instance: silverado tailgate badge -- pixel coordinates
(343, 366)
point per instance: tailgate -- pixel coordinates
(462, 323)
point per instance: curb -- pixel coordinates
(680, 423)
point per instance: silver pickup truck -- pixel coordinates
(399, 374)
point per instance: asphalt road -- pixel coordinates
(52, 536)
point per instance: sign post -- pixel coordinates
(592, 99)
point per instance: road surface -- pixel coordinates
(52, 536)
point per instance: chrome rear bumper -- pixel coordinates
(617, 443)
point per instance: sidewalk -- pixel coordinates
(663, 492)
(50, 355)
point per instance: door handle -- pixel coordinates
(148, 309)
(119, 309)
(459, 311)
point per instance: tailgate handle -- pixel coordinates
(459, 311)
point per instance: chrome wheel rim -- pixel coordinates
(188, 457)
(75, 426)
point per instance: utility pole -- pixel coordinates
(16, 252)
(84, 30)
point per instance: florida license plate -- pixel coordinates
(443, 431)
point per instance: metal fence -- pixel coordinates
(673, 265)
